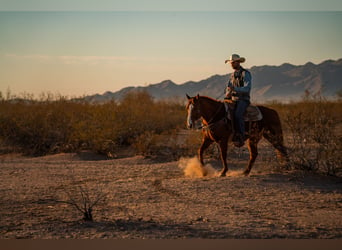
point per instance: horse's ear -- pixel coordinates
(197, 97)
(187, 96)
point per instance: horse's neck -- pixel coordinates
(210, 110)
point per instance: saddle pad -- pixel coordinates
(252, 113)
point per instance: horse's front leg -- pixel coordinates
(223, 153)
(206, 142)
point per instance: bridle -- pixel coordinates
(214, 116)
(212, 120)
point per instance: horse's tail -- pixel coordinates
(273, 131)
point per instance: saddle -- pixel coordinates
(252, 113)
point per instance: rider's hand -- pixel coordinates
(229, 89)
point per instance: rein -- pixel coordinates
(210, 122)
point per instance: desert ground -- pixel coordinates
(147, 198)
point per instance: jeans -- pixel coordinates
(240, 108)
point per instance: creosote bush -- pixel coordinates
(313, 134)
(53, 125)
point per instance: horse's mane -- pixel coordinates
(210, 98)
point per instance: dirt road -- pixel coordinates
(154, 199)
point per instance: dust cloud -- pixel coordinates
(192, 168)
(234, 173)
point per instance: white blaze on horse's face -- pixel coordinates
(189, 118)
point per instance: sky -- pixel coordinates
(81, 49)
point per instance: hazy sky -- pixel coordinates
(173, 5)
(87, 52)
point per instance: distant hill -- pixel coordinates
(284, 82)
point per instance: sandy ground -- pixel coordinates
(149, 199)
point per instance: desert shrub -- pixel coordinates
(171, 144)
(37, 128)
(83, 200)
(93, 127)
(56, 124)
(157, 145)
(138, 113)
(313, 135)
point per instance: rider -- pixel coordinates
(238, 90)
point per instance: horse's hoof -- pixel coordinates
(246, 173)
(223, 174)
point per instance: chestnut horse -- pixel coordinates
(217, 129)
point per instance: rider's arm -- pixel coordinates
(228, 89)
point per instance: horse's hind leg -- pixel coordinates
(278, 144)
(253, 153)
(223, 151)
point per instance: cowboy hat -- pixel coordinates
(234, 58)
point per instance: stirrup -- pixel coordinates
(238, 140)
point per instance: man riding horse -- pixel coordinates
(238, 92)
(263, 122)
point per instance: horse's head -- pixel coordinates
(193, 109)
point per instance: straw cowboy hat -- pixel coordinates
(234, 58)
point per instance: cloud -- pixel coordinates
(88, 60)
(94, 60)
(100, 60)
(28, 57)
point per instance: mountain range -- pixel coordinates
(269, 83)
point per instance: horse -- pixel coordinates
(217, 128)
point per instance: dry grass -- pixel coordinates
(55, 124)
